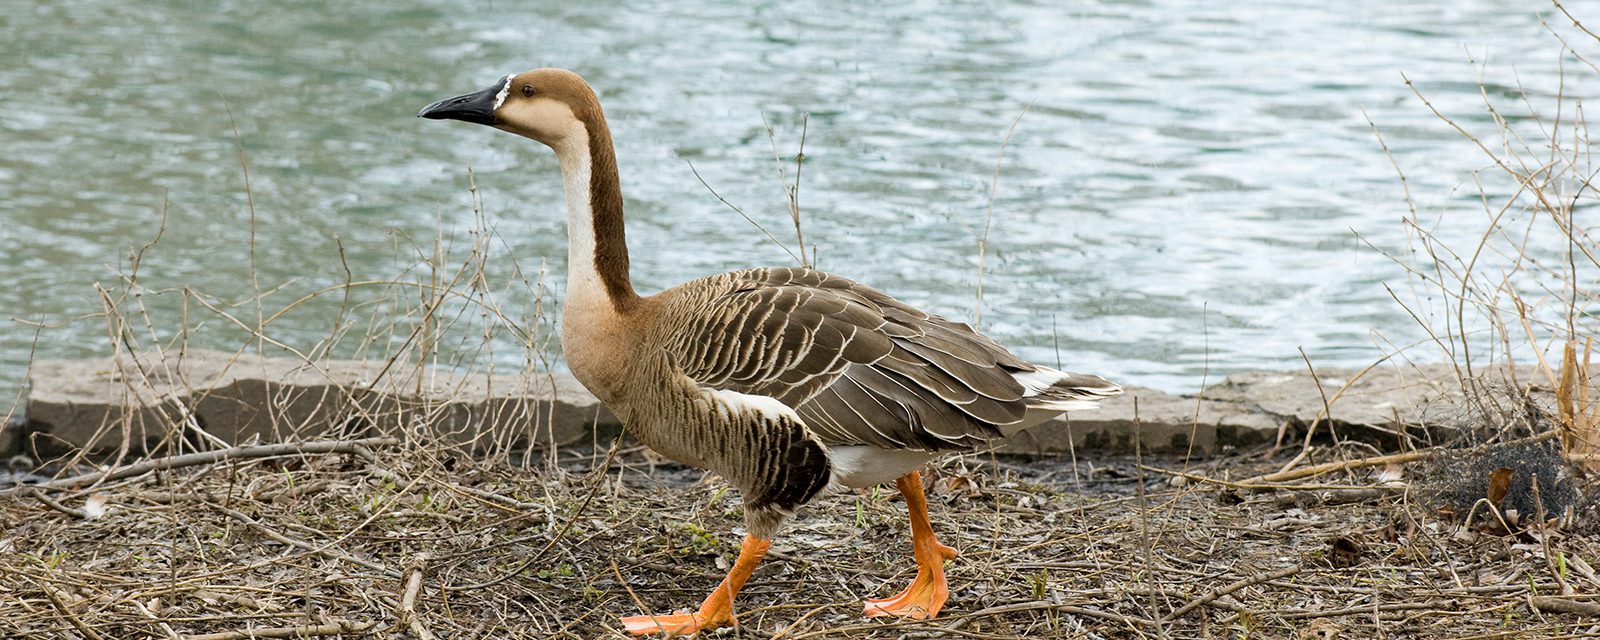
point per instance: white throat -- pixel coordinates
(583, 280)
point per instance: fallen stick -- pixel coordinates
(489, 496)
(76, 513)
(1247, 484)
(1227, 590)
(1393, 458)
(408, 599)
(244, 452)
(66, 610)
(1345, 465)
(1563, 605)
(1334, 496)
(1306, 614)
(334, 629)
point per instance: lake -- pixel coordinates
(1191, 188)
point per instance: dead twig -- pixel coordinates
(1344, 465)
(66, 611)
(1248, 485)
(313, 630)
(1050, 606)
(1307, 614)
(599, 481)
(988, 212)
(1335, 496)
(408, 600)
(245, 452)
(1377, 461)
(747, 218)
(75, 513)
(1327, 407)
(1229, 589)
(1550, 604)
(324, 550)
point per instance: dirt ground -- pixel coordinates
(403, 542)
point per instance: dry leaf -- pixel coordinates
(957, 487)
(1499, 484)
(1345, 551)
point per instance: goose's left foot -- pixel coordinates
(927, 593)
(717, 610)
(676, 624)
(921, 600)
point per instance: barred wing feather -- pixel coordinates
(858, 366)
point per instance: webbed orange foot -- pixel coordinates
(920, 601)
(717, 610)
(676, 624)
(928, 592)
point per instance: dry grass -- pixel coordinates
(1494, 309)
(454, 303)
(405, 542)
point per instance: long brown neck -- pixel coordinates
(597, 250)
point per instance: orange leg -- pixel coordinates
(717, 610)
(929, 590)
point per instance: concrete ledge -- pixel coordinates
(1252, 407)
(102, 403)
(105, 404)
(1155, 421)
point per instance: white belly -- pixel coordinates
(859, 466)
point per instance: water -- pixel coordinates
(1183, 195)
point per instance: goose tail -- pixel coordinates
(1051, 390)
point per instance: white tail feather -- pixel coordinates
(1051, 393)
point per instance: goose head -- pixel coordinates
(551, 106)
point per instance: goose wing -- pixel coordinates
(858, 366)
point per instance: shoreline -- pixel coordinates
(99, 403)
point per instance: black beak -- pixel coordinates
(474, 107)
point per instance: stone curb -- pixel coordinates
(102, 403)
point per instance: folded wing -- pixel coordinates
(860, 367)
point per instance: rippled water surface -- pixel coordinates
(1184, 193)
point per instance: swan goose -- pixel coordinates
(781, 380)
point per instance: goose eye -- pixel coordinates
(527, 90)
